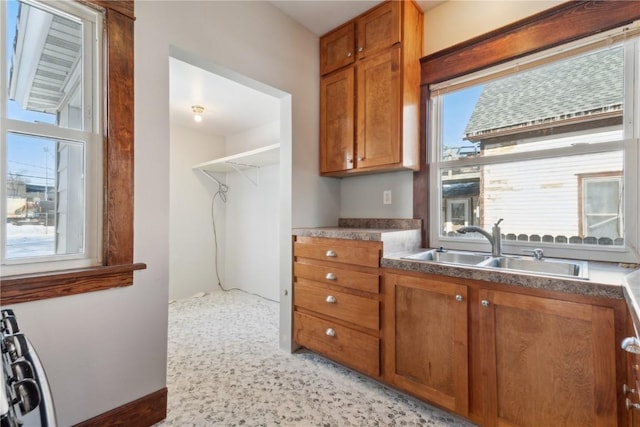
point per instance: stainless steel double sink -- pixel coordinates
(546, 266)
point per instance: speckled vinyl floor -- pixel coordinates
(225, 369)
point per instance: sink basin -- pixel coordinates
(452, 257)
(577, 269)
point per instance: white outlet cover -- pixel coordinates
(386, 197)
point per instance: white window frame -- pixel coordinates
(90, 137)
(630, 143)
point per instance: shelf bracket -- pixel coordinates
(236, 166)
(212, 178)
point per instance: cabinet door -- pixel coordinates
(547, 362)
(379, 110)
(337, 125)
(425, 335)
(337, 49)
(379, 29)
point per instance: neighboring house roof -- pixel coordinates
(587, 85)
(461, 189)
(45, 66)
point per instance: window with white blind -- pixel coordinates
(548, 143)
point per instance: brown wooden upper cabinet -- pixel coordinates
(370, 93)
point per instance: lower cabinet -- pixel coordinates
(496, 354)
(425, 334)
(546, 362)
(501, 358)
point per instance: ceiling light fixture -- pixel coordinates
(197, 112)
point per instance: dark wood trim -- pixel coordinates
(118, 133)
(421, 178)
(142, 412)
(564, 23)
(117, 269)
(124, 7)
(33, 287)
(567, 22)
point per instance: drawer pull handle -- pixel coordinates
(331, 254)
(631, 345)
(630, 405)
(330, 332)
(627, 390)
(330, 276)
(331, 299)
(459, 298)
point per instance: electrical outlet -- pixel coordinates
(386, 197)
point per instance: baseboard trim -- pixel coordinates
(143, 412)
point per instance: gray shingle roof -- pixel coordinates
(585, 85)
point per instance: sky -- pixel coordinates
(457, 109)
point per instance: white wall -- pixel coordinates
(253, 218)
(454, 22)
(252, 246)
(450, 23)
(361, 196)
(192, 252)
(251, 139)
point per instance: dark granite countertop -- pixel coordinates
(605, 279)
(398, 235)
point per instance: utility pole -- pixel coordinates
(46, 189)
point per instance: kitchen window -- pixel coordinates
(51, 137)
(548, 143)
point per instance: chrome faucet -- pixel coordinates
(495, 238)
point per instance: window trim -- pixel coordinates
(118, 142)
(559, 25)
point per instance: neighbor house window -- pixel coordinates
(51, 139)
(601, 207)
(549, 144)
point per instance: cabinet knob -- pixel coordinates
(331, 254)
(630, 405)
(331, 333)
(631, 345)
(330, 276)
(627, 390)
(459, 298)
(360, 49)
(484, 303)
(332, 300)
(349, 160)
(349, 54)
(360, 159)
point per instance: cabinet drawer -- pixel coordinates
(344, 251)
(344, 345)
(350, 308)
(338, 276)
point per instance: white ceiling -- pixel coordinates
(230, 107)
(321, 16)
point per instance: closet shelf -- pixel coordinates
(263, 156)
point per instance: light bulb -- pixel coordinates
(197, 112)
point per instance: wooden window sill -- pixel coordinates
(33, 287)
